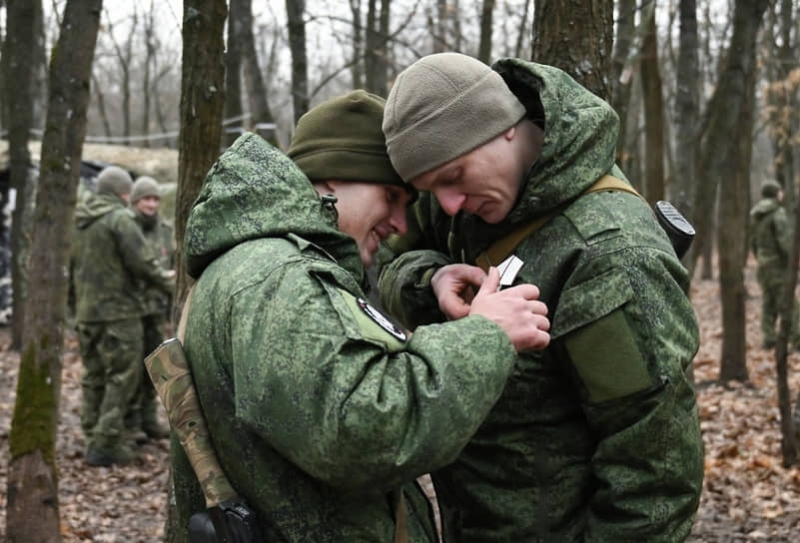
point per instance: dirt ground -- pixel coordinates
(747, 494)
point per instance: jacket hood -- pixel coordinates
(580, 136)
(95, 206)
(255, 191)
(764, 207)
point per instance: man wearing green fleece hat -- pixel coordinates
(596, 438)
(321, 411)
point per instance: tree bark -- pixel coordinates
(376, 48)
(725, 163)
(202, 106)
(686, 110)
(576, 37)
(487, 20)
(297, 44)
(24, 18)
(233, 73)
(621, 76)
(653, 115)
(32, 510)
(254, 81)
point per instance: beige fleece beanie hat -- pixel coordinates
(444, 106)
(144, 186)
(114, 180)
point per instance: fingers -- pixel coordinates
(491, 282)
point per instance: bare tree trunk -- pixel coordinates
(297, 44)
(202, 106)
(576, 37)
(101, 106)
(376, 50)
(32, 510)
(357, 63)
(621, 77)
(233, 73)
(686, 111)
(485, 45)
(438, 29)
(124, 58)
(254, 82)
(150, 54)
(20, 48)
(653, 114)
(725, 161)
(522, 33)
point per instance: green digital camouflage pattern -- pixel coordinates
(111, 255)
(596, 438)
(771, 242)
(160, 237)
(318, 407)
(172, 379)
(112, 368)
(158, 233)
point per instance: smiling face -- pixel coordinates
(486, 180)
(369, 213)
(148, 205)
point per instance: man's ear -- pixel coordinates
(325, 187)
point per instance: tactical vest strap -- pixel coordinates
(502, 248)
(185, 314)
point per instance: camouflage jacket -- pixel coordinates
(319, 408)
(111, 256)
(597, 437)
(159, 235)
(770, 234)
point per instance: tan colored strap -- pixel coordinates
(401, 521)
(185, 314)
(502, 248)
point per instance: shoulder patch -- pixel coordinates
(381, 319)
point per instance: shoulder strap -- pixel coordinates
(185, 314)
(502, 248)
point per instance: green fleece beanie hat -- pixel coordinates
(770, 189)
(144, 186)
(444, 106)
(114, 180)
(341, 140)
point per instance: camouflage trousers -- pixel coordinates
(112, 355)
(772, 281)
(143, 405)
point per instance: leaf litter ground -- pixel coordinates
(747, 494)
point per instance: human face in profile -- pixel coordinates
(369, 213)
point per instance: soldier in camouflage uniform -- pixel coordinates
(318, 406)
(111, 256)
(596, 438)
(771, 241)
(142, 417)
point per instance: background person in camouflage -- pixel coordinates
(596, 438)
(111, 256)
(318, 406)
(142, 418)
(771, 239)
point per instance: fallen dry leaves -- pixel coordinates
(747, 496)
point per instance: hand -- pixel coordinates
(455, 286)
(516, 310)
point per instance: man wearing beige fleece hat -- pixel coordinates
(596, 438)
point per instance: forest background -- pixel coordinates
(707, 92)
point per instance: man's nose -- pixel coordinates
(451, 202)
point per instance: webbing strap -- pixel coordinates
(185, 314)
(502, 248)
(400, 522)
